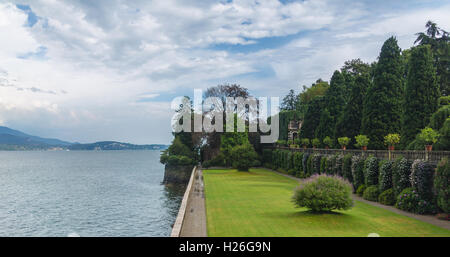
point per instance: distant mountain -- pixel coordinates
(11, 139)
(112, 145)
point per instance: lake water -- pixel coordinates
(85, 193)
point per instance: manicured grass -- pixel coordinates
(258, 203)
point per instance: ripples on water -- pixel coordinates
(85, 193)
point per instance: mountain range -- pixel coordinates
(11, 139)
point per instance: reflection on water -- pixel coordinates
(85, 193)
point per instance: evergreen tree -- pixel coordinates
(334, 100)
(312, 117)
(289, 102)
(421, 95)
(325, 127)
(349, 123)
(382, 105)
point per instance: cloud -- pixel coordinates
(86, 68)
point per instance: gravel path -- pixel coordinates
(194, 224)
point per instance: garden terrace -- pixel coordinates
(258, 203)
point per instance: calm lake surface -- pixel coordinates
(85, 193)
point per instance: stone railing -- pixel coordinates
(432, 156)
(176, 229)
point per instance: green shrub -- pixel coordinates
(338, 165)
(357, 171)
(328, 141)
(332, 165)
(362, 140)
(343, 141)
(323, 165)
(387, 197)
(179, 160)
(392, 139)
(309, 164)
(329, 164)
(347, 167)
(323, 193)
(305, 142)
(385, 179)
(243, 156)
(371, 171)
(316, 163)
(305, 163)
(291, 172)
(267, 156)
(422, 179)
(409, 200)
(315, 142)
(360, 190)
(428, 135)
(297, 162)
(282, 142)
(442, 186)
(400, 175)
(371, 193)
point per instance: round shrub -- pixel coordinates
(371, 193)
(323, 193)
(371, 171)
(409, 200)
(360, 190)
(400, 175)
(422, 179)
(347, 167)
(387, 197)
(357, 171)
(316, 163)
(441, 185)
(385, 179)
(244, 156)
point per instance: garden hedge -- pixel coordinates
(400, 175)
(385, 179)
(371, 171)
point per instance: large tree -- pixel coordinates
(382, 105)
(349, 123)
(421, 95)
(334, 99)
(439, 41)
(289, 102)
(312, 117)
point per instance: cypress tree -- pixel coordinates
(382, 105)
(421, 95)
(349, 123)
(334, 100)
(312, 117)
(325, 127)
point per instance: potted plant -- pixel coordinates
(297, 142)
(281, 142)
(391, 140)
(305, 142)
(328, 142)
(362, 141)
(343, 142)
(316, 143)
(429, 137)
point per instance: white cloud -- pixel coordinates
(111, 62)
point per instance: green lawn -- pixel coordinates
(258, 203)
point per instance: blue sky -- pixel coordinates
(107, 70)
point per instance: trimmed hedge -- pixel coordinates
(400, 175)
(338, 165)
(422, 179)
(309, 163)
(441, 185)
(371, 193)
(385, 179)
(323, 165)
(316, 163)
(360, 190)
(409, 200)
(305, 163)
(347, 167)
(371, 171)
(387, 197)
(357, 171)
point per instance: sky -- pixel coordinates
(86, 71)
